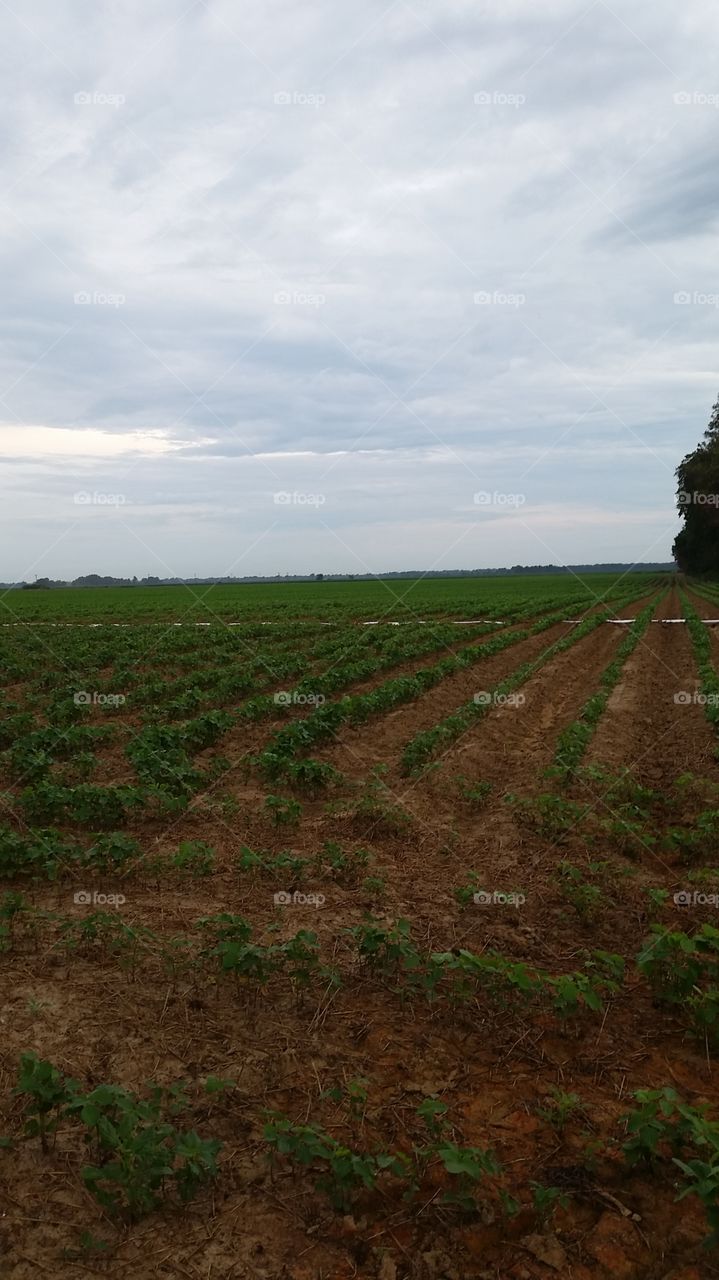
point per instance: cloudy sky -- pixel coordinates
(294, 288)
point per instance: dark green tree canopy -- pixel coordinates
(696, 546)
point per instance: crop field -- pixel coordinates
(333, 949)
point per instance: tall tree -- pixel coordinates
(696, 546)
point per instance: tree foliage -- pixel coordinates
(696, 546)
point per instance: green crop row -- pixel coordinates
(423, 746)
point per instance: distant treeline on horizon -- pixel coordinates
(105, 580)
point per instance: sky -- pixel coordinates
(352, 288)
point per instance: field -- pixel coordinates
(336, 950)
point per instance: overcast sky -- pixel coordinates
(355, 286)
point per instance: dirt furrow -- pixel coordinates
(505, 729)
(653, 725)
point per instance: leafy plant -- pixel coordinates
(475, 794)
(433, 1112)
(547, 1200)
(284, 811)
(585, 897)
(138, 1151)
(343, 865)
(467, 1166)
(47, 1092)
(560, 1108)
(345, 1170)
(283, 866)
(548, 815)
(388, 949)
(195, 856)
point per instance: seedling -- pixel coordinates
(433, 1113)
(560, 1108)
(547, 1200)
(476, 794)
(469, 1166)
(344, 865)
(284, 811)
(583, 896)
(346, 1170)
(48, 1092)
(195, 856)
(549, 815)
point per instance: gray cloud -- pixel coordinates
(276, 223)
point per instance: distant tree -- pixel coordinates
(696, 546)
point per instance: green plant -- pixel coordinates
(90, 1247)
(663, 1124)
(476, 794)
(355, 1092)
(467, 1166)
(388, 949)
(376, 808)
(700, 839)
(584, 897)
(105, 931)
(433, 1113)
(280, 866)
(195, 856)
(343, 865)
(47, 1091)
(465, 893)
(111, 852)
(374, 885)
(138, 1151)
(345, 1170)
(230, 942)
(548, 815)
(546, 1200)
(284, 811)
(217, 1084)
(560, 1107)
(676, 964)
